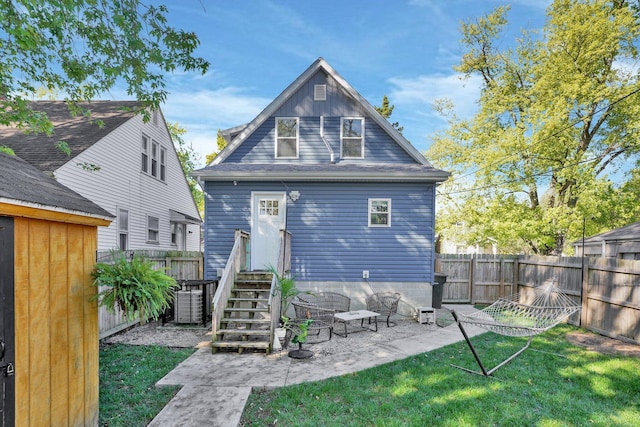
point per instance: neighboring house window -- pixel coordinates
(154, 159)
(153, 229)
(154, 117)
(163, 164)
(286, 137)
(352, 137)
(379, 212)
(145, 154)
(123, 229)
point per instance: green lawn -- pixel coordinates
(128, 373)
(554, 383)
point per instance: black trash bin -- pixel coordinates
(439, 280)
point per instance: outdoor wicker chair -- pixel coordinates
(385, 303)
(322, 317)
(330, 300)
(320, 307)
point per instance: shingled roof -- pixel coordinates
(78, 132)
(21, 183)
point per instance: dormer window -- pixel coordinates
(352, 137)
(286, 138)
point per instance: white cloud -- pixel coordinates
(203, 112)
(422, 91)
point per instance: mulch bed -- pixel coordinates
(602, 344)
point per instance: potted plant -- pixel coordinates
(286, 287)
(134, 286)
(300, 329)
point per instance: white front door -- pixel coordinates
(268, 218)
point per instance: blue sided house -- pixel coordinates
(322, 186)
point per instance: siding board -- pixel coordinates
(59, 324)
(121, 184)
(39, 325)
(23, 333)
(330, 237)
(259, 147)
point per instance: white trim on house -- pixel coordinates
(277, 137)
(343, 137)
(371, 212)
(319, 64)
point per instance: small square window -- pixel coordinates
(379, 212)
(352, 137)
(287, 138)
(269, 207)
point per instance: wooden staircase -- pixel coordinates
(246, 322)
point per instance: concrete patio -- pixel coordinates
(216, 386)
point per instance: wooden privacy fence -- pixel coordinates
(180, 265)
(609, 289)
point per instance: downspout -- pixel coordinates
(331, 154)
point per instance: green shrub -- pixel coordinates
(134, 286)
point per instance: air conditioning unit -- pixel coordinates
(188, 306)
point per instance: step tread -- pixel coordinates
(247, 310)
(250, 289)
(241, 344)
(244, 331)
(240, 320)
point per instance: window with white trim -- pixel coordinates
(286, 138)
(352, 137)
(145, 153)
(379, 212)
(154, 158)
(163, 164)
(123, 229)
(269, 207)
(153, 229)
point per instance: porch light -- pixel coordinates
(294, 195)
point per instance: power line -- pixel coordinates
(488, 186)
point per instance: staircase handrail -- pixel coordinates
(235, 264)
(283, 267)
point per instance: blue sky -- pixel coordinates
(402, 49)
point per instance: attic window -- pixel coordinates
(320, 92)
(286, 138)
(352, 137)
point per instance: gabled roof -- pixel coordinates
(22, 184)
(319, 64)
(78, 132)
(629, 232)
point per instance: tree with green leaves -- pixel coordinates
(221, 143)
(386, 110)
(82, 49)
(557, 114)
(188, 159)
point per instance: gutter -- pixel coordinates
(332, 158)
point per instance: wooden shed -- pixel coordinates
(48, 322)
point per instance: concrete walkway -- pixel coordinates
(216, 386)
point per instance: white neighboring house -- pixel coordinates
(127, 167)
